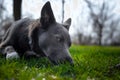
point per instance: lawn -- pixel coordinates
(90, 63)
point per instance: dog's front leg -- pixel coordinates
(31, 54)
(10, 53)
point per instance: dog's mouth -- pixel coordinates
(58, 60)
(62, 61)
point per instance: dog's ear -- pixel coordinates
(47, 16)
(67, 23)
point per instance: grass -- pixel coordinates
(90, 63)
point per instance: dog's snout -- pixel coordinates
(70, 60)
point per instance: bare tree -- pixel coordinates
(63, 3)
(17, 9)
(99, 19)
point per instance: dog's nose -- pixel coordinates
(69, 59)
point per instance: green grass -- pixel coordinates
(90, 63)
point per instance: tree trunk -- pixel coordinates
(17, 9)
(63, 2)
(100, 33)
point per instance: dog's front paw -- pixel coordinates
(12, 55)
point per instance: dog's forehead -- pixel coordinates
(58, 28)
(60, 31)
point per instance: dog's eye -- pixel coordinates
(59, 39)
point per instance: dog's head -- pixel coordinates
(51, 37)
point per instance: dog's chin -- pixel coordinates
(59, 62)
(52, 61)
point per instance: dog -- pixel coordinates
(44, 37)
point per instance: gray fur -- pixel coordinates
(43, 37)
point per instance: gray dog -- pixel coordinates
(43, 37)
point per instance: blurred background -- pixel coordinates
(94, 22)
